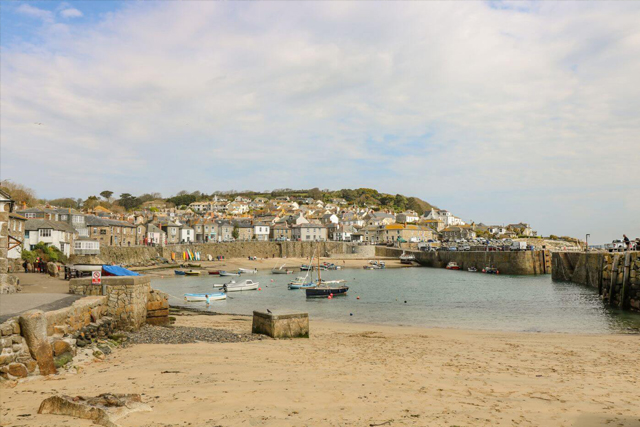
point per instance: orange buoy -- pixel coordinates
(357, 297)
(259, 289)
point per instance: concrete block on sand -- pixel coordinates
(281, 324)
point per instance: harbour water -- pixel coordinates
(426, 297)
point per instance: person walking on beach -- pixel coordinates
(627, 244)
(25, 265)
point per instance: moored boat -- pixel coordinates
(407, 258)
(453, 266)
(226, 273)
(326, 290)
(214, 272)
(490, 270)
(247, 285)
(179, 272)
(281, 270)
(215, 296)
(472, 269)
(192, 273)
(247, 271)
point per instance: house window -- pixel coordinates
(45, 232)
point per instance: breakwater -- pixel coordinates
(514, 262)
(615, 275)
(143, 255)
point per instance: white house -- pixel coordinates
(330, 218)
(156, 236)
(187, 234)
(86, 246)
(52, 233)
(445, 216)
(261, 231)
(407, 217)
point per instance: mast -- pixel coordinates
(319, 278)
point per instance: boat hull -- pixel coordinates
(179, 273)
(214, 273)
(319, 292)
(203, 297)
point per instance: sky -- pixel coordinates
(499, 112)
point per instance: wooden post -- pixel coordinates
(625, 278)
(614, 277)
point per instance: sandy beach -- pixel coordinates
(358, 375)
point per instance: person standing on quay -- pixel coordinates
(627, 244)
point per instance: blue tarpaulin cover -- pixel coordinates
(115, 270)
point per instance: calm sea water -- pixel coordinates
(427, 297)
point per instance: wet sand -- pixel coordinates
(359, 375)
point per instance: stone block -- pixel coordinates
(158, 321)
(6, 328)
(281, 324)
(18, 370)
(158, 313)
(61, 346)
(157, 305)
(7, 357)
(34, 329)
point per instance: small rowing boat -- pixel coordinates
(216, 296)
(214, 272)
(472, 269)
(179, 272)
(192, 273)
(247, 271)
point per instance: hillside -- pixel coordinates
(360, 196)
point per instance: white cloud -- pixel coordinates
(445, 101)
(35, 12)
(71, 13)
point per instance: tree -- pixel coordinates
(107, 195)
(90, 203)
(65, 202)
(236, 232)
(19, 193)
(400, 202)
(128, 201)
(315, 193)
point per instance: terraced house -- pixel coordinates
(392, 233)
(110, 232)
(52, 233)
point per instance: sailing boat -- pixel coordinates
(280, 270)
(326, 288)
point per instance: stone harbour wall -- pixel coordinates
(144, 255)
(509, 262)
(60, 330)
(615, 275)
(126, 297)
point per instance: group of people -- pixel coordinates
(631, 245)
(39, 266)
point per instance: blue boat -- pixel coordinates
(302, 285)
(179, 272)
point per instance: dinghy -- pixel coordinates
(247, 285)
(215, 296)
(192, 273)
(179, 272)
(225, 273)
(247, 271)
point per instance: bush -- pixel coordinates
(47, 253)
(29, 256)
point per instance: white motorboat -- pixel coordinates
(214, 296)
(247, 271)
(246, 285)
(222, 285)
